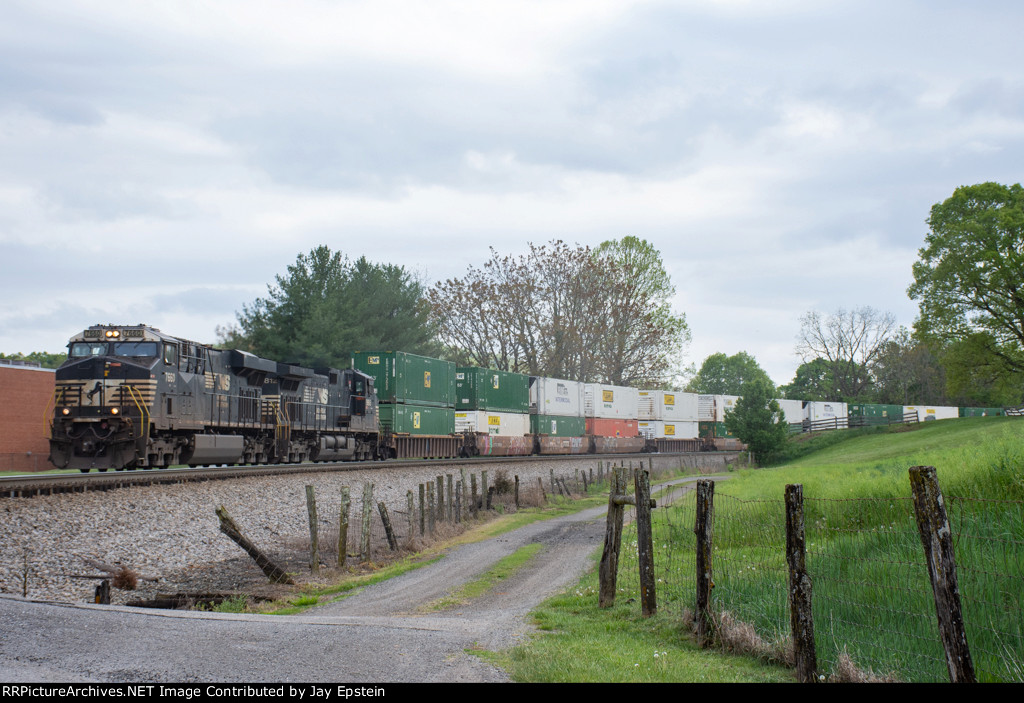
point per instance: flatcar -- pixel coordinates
(133, 397)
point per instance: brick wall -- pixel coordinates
(25, 393)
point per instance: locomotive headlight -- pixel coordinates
(65, 411)
(113, 411)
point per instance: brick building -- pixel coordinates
(25, 393)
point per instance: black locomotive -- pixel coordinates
(132, 397)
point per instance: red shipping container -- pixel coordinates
(607, 427)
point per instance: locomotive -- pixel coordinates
(133, 397)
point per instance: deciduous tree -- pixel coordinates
(726, 375)
(970, 277)
(757, 419)
(850, 341)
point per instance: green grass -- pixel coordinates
(872, 597)
(580, 642)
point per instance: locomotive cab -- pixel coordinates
(104, 397)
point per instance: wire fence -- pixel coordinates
(873, 607)
(432, 511)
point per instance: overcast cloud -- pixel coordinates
(162, 164)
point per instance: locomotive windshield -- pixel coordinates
(80, 349)
(135, 349)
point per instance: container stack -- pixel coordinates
(494, 405)
(711, 411)
(611, 411)
(556, 416)
(416, 394)
(667, 415)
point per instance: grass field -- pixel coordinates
(872, 599)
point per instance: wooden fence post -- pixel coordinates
(645, 543)
(450, 502)
(937, 539)
(439, 505)
(423, 511)
(343, 526)
(484, 495)
(458, 501)
(704, 529)
(540, 482)
(410, 507)
(517, 492)
(314, 531)
(431, 509)
(801, 620)
(609, 568)
(472, 505)
(272, 570)
(392, 542)
(364, 541)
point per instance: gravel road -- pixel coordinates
(376, 635)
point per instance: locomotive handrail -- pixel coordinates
(140, 403)
(48, 411)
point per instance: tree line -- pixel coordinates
(559, 310)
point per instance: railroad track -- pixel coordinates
(26, 486)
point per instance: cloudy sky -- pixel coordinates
(162, 162)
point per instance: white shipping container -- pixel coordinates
(667, 405)
(553, 396)
(610, 402)
(816, 410)
(711, 408)
(932, 412)
(658, 429)
(793, 409)
(504, 424)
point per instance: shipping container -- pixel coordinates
(405, 418)
(712, 408)
(667, 405)
(610, 402)
(400, 377)
(928, 413)
(494, 423)
(816, 411)
(553, 396)
(487, 389)
(606, 427)
(982, 412)
(660, 429)
(861, 414)
(709, 429)
(557, 426)
(792, 409)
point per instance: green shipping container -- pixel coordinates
(400, 377)
(487, 389)
(558, 425)
(404, 418)
(982, 412)
(707, 428)
(874, 413)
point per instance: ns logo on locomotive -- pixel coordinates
(132, 397)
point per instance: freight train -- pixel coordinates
(132, 397)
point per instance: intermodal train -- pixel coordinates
(132, 397)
